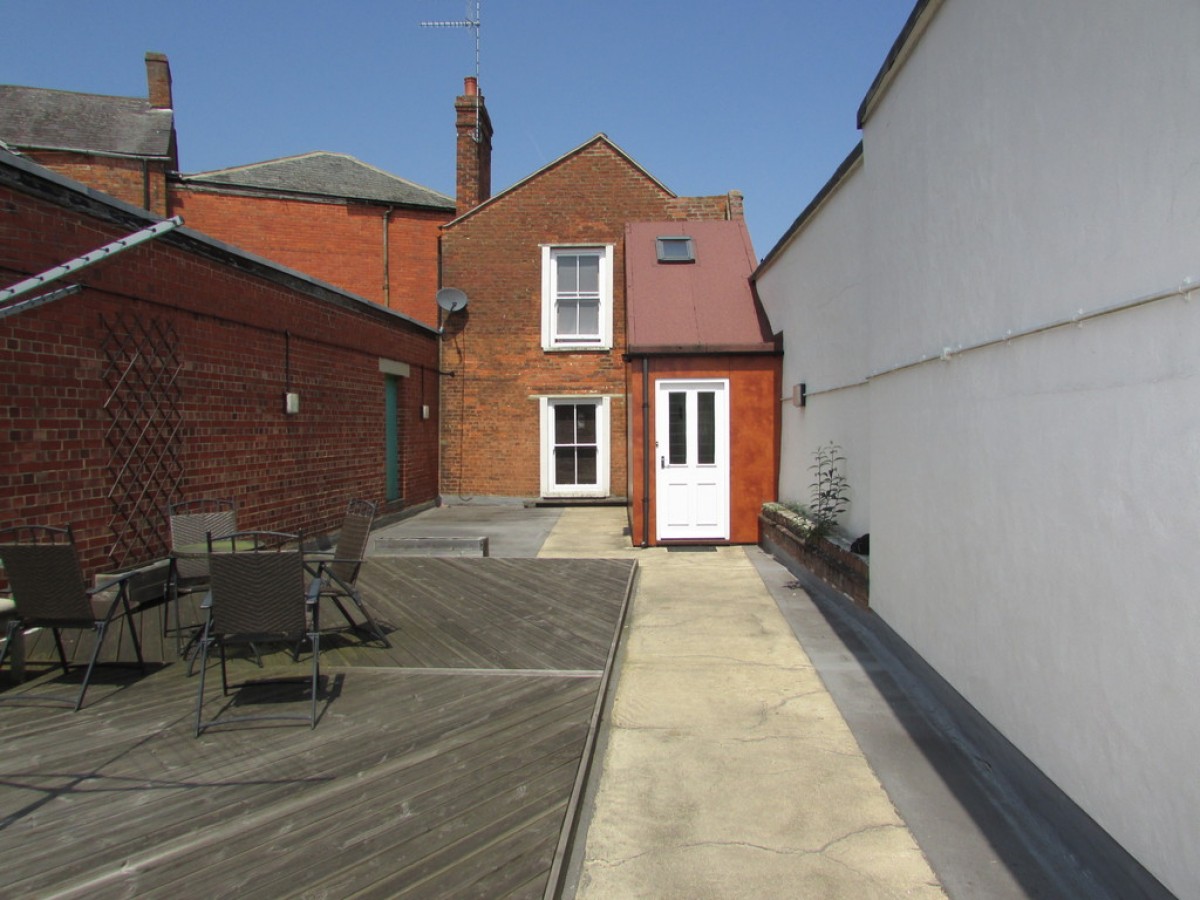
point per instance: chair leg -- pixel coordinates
(101, 628)
(315, 637)
(133, 635)
(9, 636)
(62, 654)
(200, 688)
(371, 623)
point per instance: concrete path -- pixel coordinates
(727, 770)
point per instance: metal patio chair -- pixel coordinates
(191, 521)
(49, 591)
(257, 596)
(337, 575)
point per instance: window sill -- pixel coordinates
(577, 348)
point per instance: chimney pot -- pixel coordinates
(470, 86)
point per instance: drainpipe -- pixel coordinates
(645, 452)
(146, 184)
(387, 275)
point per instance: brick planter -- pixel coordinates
(784, 534)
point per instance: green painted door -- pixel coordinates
(392, 427)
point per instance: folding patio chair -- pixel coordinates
(191, 521)
(48, 591)
(257, 596)
(338, 575)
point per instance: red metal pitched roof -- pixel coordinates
(706, 304)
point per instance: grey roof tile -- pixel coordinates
(45, 118)
(324, 174)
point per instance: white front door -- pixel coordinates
(692, 459)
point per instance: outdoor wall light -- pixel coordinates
(800, 395)
(291, 403)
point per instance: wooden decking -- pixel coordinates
(443, 766)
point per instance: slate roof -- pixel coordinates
(323, 174)
(41, 118)
(703, 305)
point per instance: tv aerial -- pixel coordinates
(472, 23)
(451, 299)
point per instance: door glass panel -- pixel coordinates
(706, 428)
(677, 428)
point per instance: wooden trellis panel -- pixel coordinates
(144, 434)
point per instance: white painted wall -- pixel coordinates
(816, 295)
(1035, 506)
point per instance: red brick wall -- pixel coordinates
(138, 182)
(490, 409)
(754, 391)
(340, 243)
(237, 336)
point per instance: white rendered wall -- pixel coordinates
(1035, 507)
(815, 293)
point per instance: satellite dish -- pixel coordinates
(451, 299)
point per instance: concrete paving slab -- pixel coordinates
(727, 770)
(512, 530)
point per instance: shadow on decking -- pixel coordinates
(444, 765)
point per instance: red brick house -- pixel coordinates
(294, 210)
(703, 384)
(124, 146)
(536, 402)
(165, 378)
(325, 214)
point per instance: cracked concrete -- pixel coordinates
(727, 770)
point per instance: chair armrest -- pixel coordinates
(111, 581)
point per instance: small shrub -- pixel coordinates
(829, 491)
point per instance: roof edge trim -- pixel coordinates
(906, 42)
(850, 163)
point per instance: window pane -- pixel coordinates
(589, 274)
(706, 428)
(585, 465)
(568, 317)
(564, 465)
(586, 419)
(568, 275)
(589, 317)
(677, 428)
(675, 249)
(564, 424)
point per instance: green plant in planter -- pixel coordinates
(829, 490)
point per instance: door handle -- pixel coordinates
(662, 462)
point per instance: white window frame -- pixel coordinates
(550, 340)
(603, 439)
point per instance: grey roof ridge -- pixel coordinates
(203, 176)
(46, 90)
(265, 162)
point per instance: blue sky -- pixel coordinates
(709, 96)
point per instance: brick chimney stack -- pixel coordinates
(158, 81)
(474, 173)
